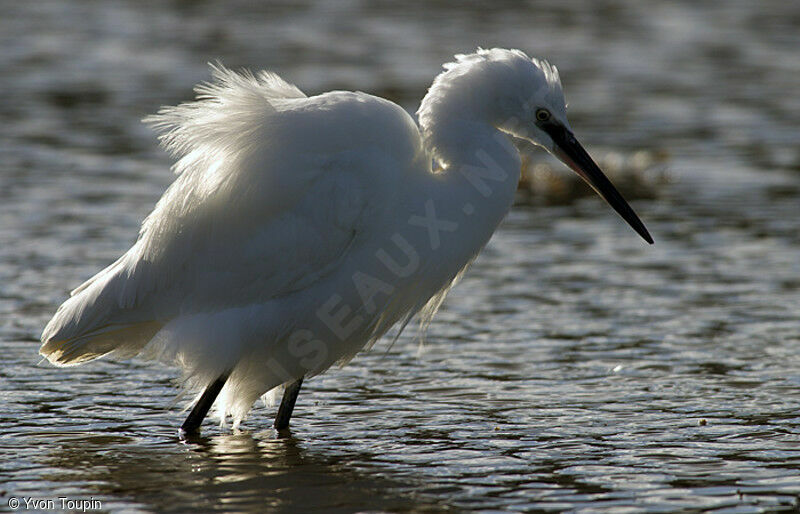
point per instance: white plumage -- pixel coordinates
(300, 229)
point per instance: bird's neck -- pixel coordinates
(480, 165)
(459, 127)
(477, 183)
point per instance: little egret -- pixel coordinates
(300, 229)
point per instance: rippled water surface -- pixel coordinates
(573, 368)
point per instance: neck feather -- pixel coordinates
(481, 170)
(450, 121)
(481, 166)
(458, 131)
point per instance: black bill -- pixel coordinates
(571, 153)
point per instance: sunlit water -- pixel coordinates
(573, 368)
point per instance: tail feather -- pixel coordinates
(123, 341)
(96, 321)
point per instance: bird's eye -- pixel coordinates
(542, 115)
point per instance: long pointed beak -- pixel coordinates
(571, 153)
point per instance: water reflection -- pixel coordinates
(226, 472)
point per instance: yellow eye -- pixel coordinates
(542, 115)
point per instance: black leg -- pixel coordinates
(287, 404)
(195, 418)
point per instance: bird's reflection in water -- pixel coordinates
(229, 472)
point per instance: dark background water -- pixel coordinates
(574, 368)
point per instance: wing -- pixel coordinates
(274, 189)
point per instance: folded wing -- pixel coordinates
(273, 190)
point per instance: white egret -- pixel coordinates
(300, 229)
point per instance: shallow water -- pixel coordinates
(573, 368)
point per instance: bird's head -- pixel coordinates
(524, 98)
(533, 107)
